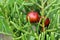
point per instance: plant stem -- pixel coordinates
(42, 13)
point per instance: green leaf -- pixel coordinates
(42, 35)
(4, 27)
(52, 36)
(32, 38)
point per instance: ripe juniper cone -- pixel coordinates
(33, 16)
(46, 22)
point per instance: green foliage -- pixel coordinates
(13, 19)
(4, 27)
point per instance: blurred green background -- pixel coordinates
(13, 19)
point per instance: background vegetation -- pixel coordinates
(13, 19)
